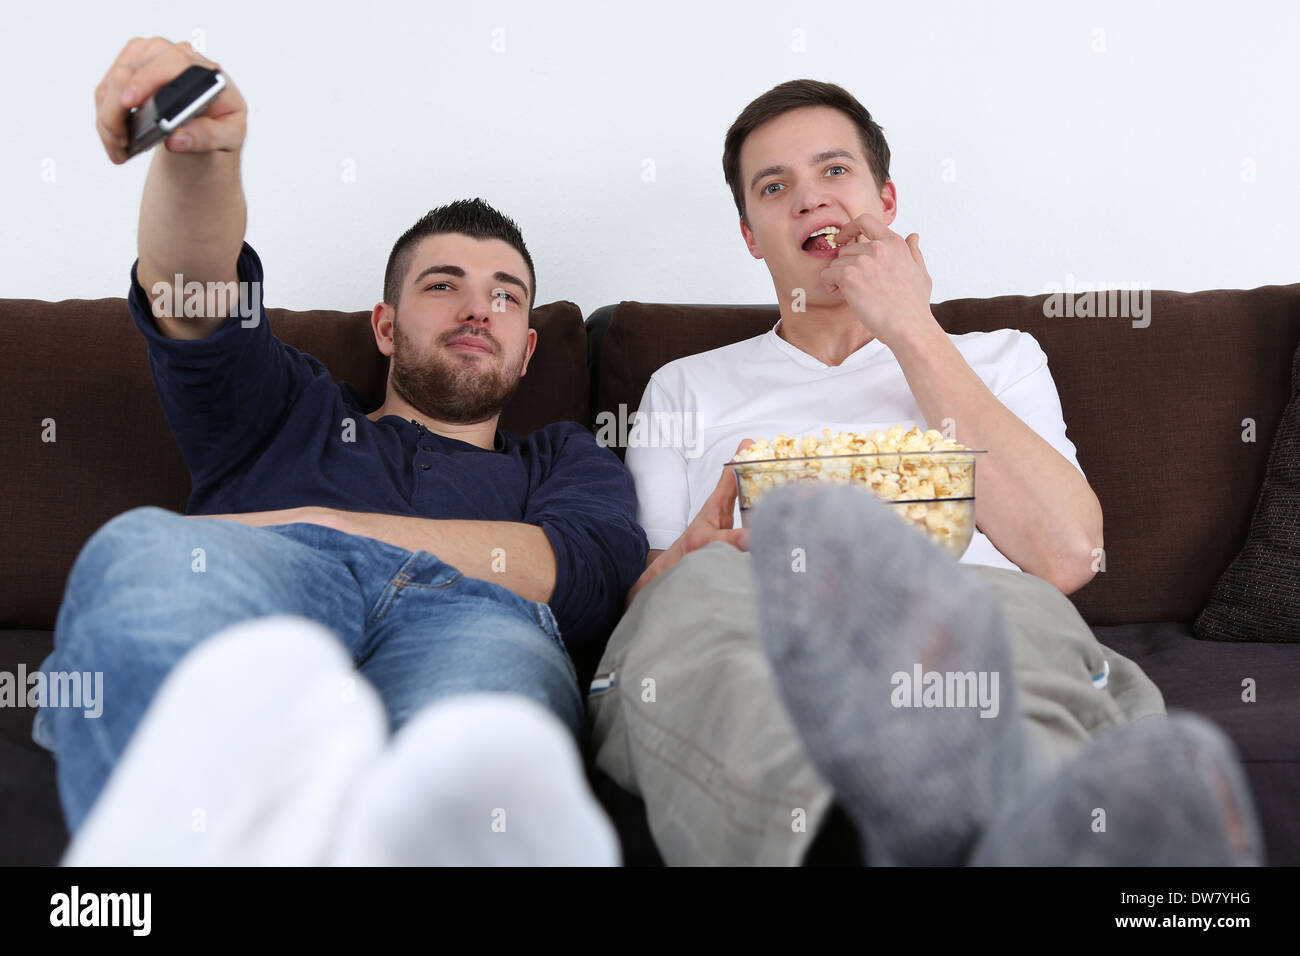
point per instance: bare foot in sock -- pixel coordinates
(478, 780)
(855, 607)
(1162, 791)
(245, 757)
(265, 747)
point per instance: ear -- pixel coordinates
(889, 200)
(381, 321)
(532, 347)
(750, 241)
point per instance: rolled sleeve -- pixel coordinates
(225, 396)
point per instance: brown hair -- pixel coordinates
(470, 217)
(793, 95)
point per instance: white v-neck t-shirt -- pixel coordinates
(764, 386)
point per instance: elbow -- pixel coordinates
(1068, 583)
(1080, 563)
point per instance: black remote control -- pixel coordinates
(172, 107)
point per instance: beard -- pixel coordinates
(450, 388)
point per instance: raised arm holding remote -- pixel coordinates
(192, 215)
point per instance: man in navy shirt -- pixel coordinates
(267, 433)
(448, 556)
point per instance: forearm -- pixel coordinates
(512, 554)
(192, 218)
(1031, 502)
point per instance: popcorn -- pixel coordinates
(830, 232)
(916, 472)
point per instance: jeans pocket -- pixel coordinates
(420, 571)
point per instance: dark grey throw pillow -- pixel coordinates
(1258, 597)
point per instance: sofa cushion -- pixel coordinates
(1250, 690)
(32, 832)
(1154, 412)
(1258, 597)
(84, 372)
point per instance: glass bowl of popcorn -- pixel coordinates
(926, 479)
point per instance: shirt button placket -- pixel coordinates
(424, 465)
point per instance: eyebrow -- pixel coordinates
(459, 273)
(819, 158)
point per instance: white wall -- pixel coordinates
(1137, 142)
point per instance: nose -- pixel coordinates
(810, 196)
(476, 312)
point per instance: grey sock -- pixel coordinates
(1156, 792)
(875, 599)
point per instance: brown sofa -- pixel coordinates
(1156, 414)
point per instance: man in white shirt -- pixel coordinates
(687, 703)
(768, 386)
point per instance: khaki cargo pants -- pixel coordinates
(686, 712)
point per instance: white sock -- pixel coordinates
(473, 780)
(245, 757)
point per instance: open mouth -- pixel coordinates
(822, 242)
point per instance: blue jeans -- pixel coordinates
(151, 584)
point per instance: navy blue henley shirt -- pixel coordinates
(260, 426)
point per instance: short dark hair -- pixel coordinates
(793, 95)
(469, 217)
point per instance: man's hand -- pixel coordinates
(713, 523)
(883, 278)
(141, 70)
